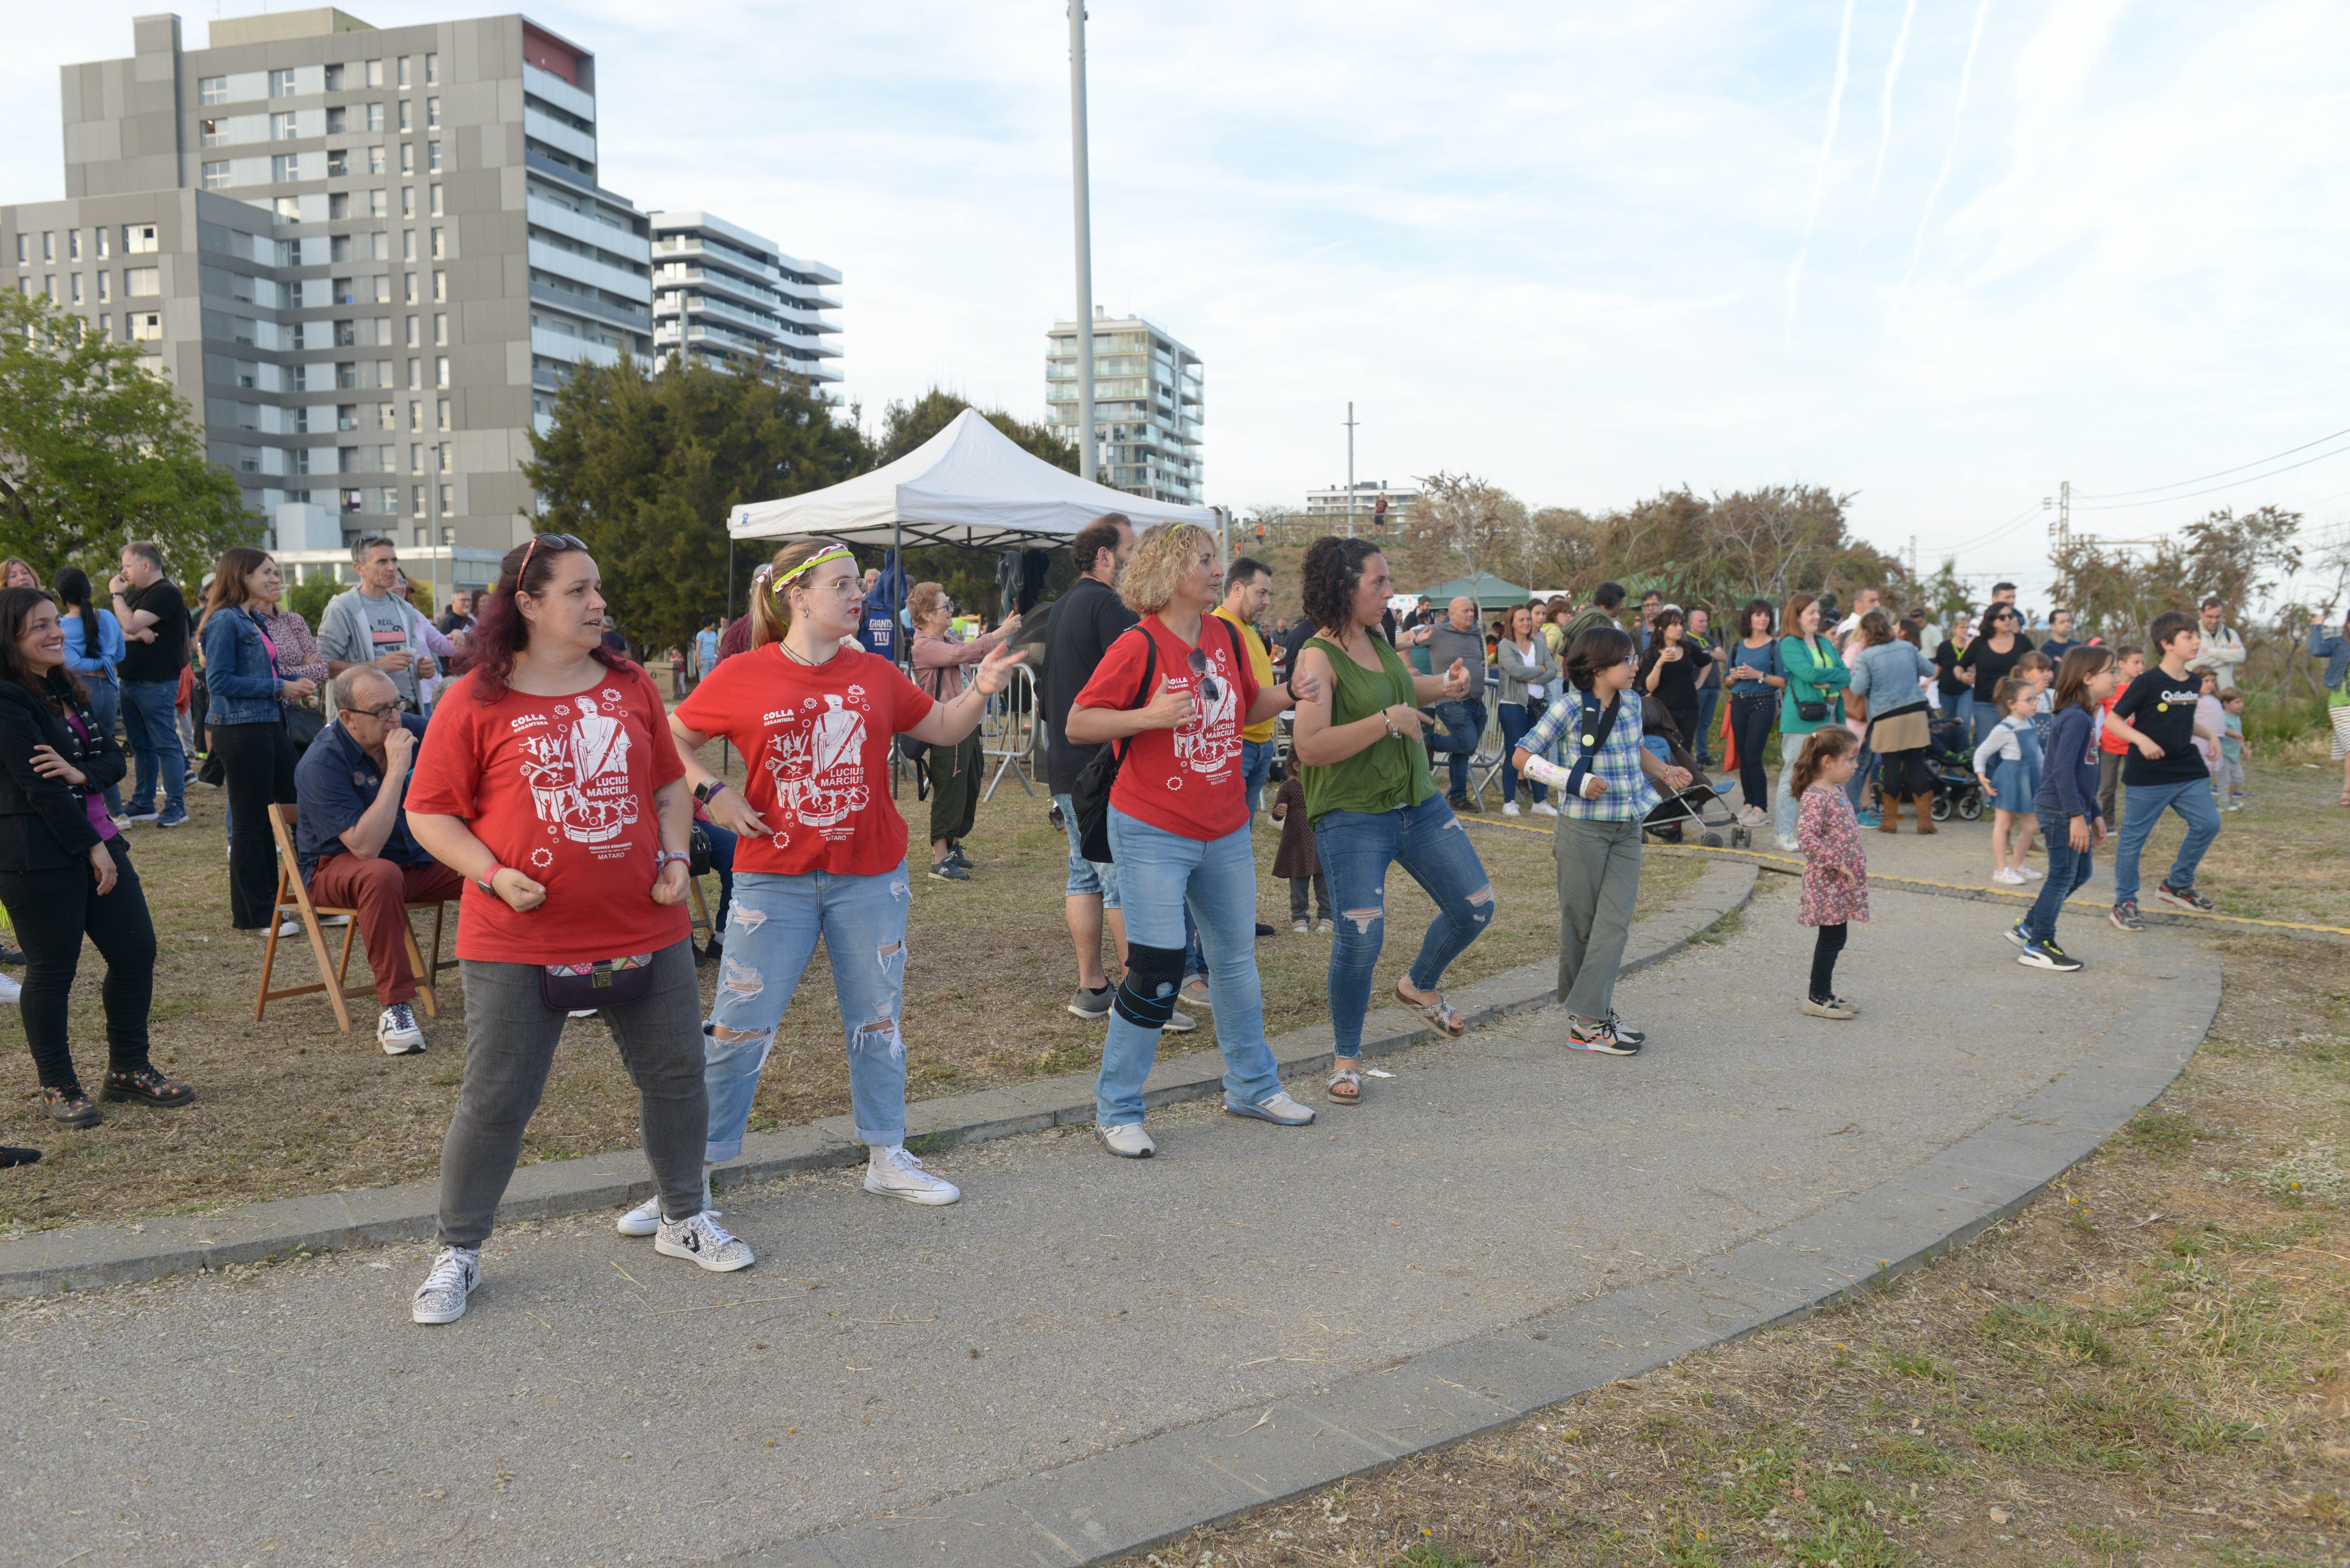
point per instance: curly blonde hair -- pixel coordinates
(1165, 553)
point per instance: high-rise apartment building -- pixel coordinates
(728, 296)
(365, 256)
(1148, 405)
(1334, 503)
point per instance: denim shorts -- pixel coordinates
(1086, 877)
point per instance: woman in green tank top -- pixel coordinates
(1372, 800)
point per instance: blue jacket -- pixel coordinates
(2068, 784)
(78, 656)
(239, 675)
(2335, 651)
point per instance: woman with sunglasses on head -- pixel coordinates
(942, 661)
(820, 848)
(547, 780)
(1373, 801)
(1178, 689)
(1991, 658)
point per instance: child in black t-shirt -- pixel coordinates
(2165, 771)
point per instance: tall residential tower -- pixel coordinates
(726, 295)
(1148, 405)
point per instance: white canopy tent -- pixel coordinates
(968, 484)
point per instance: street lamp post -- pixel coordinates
(1082, 178)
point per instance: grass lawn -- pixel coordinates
(290, 1107)
(2147, 1366)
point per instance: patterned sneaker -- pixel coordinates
(396, 1030)
(2047, 955)
(1625, 1033)
(1583, 1034)
(704, 1240)
(894, 1173)
(456, 1275)
(2125, 916)
(2185, 898)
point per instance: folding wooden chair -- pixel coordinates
(293, 902)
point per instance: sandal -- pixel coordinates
(148, 1086)
(1440, 1012)
(1345, 1087)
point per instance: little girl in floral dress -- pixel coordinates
(1835, 867)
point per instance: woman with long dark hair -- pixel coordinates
(1669, 671)
(1890, 673)
(245, 718)
(65, 872)
(1756, 678)
(1374, 803)
(547, 781)
(94, 646)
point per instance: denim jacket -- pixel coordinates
(239, 674)
(2335, 651)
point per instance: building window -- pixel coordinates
(215, 175)
(105, 328)
(407, 250)
(48, 244)
(439, 289)
(441, 413)
(334, 79)
(448, 455)
(431, 114)
(101, 279)
(432, 71)
(375, 73)
(284, 167)
(374, 112)
(74, 284)
(23, 249)
(339, 207)
(440, 330)
(415, 457)
(212, 90)
(138, 238)
(415, 375)
(416, 494)
(375, 159)
(147, 326)
(407, 157)
(390, 496)
(337, 119)
(289, 209)
(338, 162)
(100, 233)
(281, 84)
(407, 116)
(73, 244)
(281, 127)
(441, 372)
(433, 158)
(448, 501)
(412, 286)
(138, 281)
(408, 200)
(440, 240)
(209, 132)
(413, 337)
(436, 202)
(403, 70)
(346, 416)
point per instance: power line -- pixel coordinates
(2009, 526)
(2232, 485)
(2149, 490)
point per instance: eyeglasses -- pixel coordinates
(1199, 663)
(848, 589)
(560, 542)
(387, 713)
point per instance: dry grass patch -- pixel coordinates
(2150, 1366)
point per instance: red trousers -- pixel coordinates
(381, 892)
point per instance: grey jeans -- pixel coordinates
(510, 1040)
(1598, 883)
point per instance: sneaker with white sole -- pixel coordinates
(1195, 991)
(1625, 1033)
(1324, 927)
(1509, 808)
(2008, 876)
(1594, 1035)
(1790, 845)
(1277, 1109)
(2047, 955)
(396, 1030)
(1180, 1023)
(456, 1275)
(642, 1221)
(2030, 874)
(2018, 935)
(894, 1173)
(701, 1238)
(11, 994)
(1545, 808)
(1831, 1008)
(2185, 899)
(1128, 1142)
(1300, 926)
(1092, 1005)
(2125, 917)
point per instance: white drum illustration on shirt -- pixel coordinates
(816, 759)
(578, 774)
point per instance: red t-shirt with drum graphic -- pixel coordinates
(816, 737)
(1186, 782)
(561, 789)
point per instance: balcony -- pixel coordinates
(587, 230)
(572, 351)
(540, 163)
(630, 315)
(562, 137)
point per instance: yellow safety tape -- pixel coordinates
(1793, 865)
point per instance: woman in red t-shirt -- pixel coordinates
(547, 782)
(1179, 689)
(822, 849)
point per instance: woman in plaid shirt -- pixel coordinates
(1602, 796)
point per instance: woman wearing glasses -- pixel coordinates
(547, 780)
(1373, 801)
(1991, 658)
(821, 850)
(1178, 690)
(942, 661)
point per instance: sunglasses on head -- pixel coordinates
(1199, 663)
(556, 544)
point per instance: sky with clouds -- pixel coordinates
(1942, 254)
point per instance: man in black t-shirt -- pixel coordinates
(1084, 621)
(155, 650)
(2163, 771)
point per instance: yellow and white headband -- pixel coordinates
(836, 553)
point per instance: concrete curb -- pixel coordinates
(1103, 1507)
(87, 1256)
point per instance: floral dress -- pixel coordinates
(1835, 867)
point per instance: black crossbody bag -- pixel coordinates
(1091, 796)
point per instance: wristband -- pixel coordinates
(661, 860)
(488, 876)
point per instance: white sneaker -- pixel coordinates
(10, 991)
(1300, 926)
(1545, 808)
(642, 1221)
(2007, 875)
(2030, 874)
(1128, 1142)
(396, 1030)
(1790, 845)
(1277, 1109)
(1322, 927)
(893, 1173)
(704, 1240)
(456, 1274)
(1509, 808)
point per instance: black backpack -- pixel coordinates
(1091, 794)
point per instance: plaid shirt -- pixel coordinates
(1630, 795)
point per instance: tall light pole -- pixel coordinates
(1083, 180)
(1350, 470)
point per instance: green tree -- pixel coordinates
(95, 451)
(645, 465)
(969, 576)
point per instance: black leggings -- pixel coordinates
(1823, 957)
(1902, 774)
(52, 911)
(259, 761)
(1750, 727)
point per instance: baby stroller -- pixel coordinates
(1667, 822)
(1956, 790)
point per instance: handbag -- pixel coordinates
(304, 724)
(1091, 796)
(604, 983)
(698, 852)
(1811, 712)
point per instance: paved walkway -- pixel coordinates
(602, 1404)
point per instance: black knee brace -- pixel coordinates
(1147, 995)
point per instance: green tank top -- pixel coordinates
(1392, 771)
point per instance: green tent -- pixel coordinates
(1489, 592)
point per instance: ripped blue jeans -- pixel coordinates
(771, 933)
(1356, 847)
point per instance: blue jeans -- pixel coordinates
(1464, 726)
(1856, 788)
(1086, 877)
(1256, 766)
(769, 939)
(1215, 880)
(148, 718)
(1517, 718)
(1782, 815)
(2068, 869)
(2143, 807)
(722, 860)
(1356, 847)
(105, 707)
(1708, 701)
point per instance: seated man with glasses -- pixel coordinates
(353, 843)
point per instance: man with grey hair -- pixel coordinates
(352, 843)
(372, 625)
(1463, 718)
